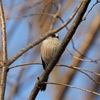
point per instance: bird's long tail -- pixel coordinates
(43, 88)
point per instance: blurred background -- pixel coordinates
(25, 23)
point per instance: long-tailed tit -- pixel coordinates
(48, 48)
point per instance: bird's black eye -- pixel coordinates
(55, 36)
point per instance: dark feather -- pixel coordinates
(43, 63)
(43, 88)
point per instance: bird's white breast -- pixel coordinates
(48, 48)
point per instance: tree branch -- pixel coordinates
(44, 37)
(4, 53)
(75, 87)
(90, 36)
(61, 49)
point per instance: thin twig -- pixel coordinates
(25, 16)
(90, 9)
(48, 3)
(81, 59)
(82, 89)
(73, 45)
(82, 70)
(87, 75)
(77, 68)
(55, 16)
(25, 64)
(60, 65)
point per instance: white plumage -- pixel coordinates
(48, 48)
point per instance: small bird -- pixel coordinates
(48, 48)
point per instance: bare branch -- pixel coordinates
(81, 59)
(61, 49)
(25, 64)
(82, 70)
(45, 36)
(95, 26)
(75, 87)
(90, 9)
(55, 16)
(21, 17)
(4, 53)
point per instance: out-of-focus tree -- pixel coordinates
(25, 24)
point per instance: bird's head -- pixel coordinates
(55, 36)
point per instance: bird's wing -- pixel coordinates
(43, 63)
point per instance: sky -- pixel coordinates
(21, 32)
